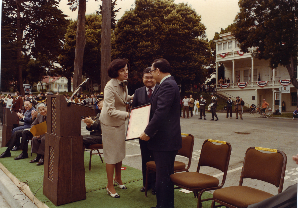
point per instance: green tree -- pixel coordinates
(42, 28)
(91, 62)
(161, 28)
(271, 27)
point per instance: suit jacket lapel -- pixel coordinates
(118, 90)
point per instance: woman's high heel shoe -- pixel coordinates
(112, 195)
(120, 186)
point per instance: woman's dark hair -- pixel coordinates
(163, 65)
(115, 66)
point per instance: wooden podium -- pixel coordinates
(64, 173)
(10, 118)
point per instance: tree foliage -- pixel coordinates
(161, 28)
(271, 27)
(91, 62)
(43, 28)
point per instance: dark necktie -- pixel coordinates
(150, 92)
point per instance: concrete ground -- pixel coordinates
(279, 133)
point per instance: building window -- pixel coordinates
(230, 45)
(225, 46)
(294, 98)
(253, 98)
(219, 47)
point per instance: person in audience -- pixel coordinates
(38, 142)
(17, 132)
(17, 103)
(95, 130)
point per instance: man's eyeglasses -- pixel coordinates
(152, 70)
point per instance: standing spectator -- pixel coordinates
(242, 105)
(185, 103)
(8, 100)
(295, 114)
(191, 104)
(213, 107)
(196, 107)
(238, 108)
(228, 80)
(229, 107)
(202, 103)
(221, 81)
(206, 88)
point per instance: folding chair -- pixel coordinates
(186, 151)
(215, 154)
(95, 147)
(259, 163)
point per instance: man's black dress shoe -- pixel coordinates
(15, 148)
(40, 162)
(21, 156)
(5, 154)
(34, 160)
(143, 189)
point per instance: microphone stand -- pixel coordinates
(78, 88)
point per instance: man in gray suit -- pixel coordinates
(142, 96)
(163, 132)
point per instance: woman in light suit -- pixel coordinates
(112, 118)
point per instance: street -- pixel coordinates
(276, 133)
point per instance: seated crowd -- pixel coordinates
(31, 111)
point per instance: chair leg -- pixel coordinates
(213, 204)
(199, 199)
(90, 160)
(99, 155)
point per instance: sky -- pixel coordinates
(215, 14)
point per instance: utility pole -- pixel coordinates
(105, 42)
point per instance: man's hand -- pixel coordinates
(144, 137)
(295, 158)
(88, 121)
(33, 114)
(20, 115)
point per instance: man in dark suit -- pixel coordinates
(163, 131)
(142, 96)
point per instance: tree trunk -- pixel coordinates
(105, 42)
(291, 69)
(293, 74)
(80, 45)
(19, 49)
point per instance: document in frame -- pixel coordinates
(138, 121)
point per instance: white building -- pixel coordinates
(250, 78)
(54, 84)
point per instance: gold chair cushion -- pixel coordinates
(179, 165)
(240, 196)
(194, 180)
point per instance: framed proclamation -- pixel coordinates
(138, 121)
